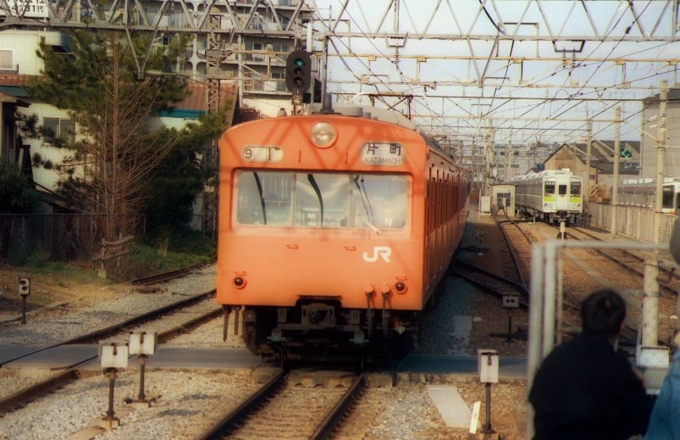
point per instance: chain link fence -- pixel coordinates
(60, 237)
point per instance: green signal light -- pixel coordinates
(299, 62)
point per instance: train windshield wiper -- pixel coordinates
(317, 190)
(373, 227)
(367, 204)
(261, 193)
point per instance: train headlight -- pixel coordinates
(400, 287)
(239, 282)
(323, 134)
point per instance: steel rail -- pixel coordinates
(99, 334)
(171, 274)
(334, 418)
(232, 420)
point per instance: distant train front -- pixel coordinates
(551, 196)
(334, 232)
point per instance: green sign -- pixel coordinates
(626, 154)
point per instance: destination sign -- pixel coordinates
(383, 153)
(263, 154)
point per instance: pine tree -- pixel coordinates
(110, 167)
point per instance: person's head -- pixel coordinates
(603, 313)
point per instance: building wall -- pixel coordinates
(650, 126)
(20, 46)
(42, 176)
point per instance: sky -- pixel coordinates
(534, 71)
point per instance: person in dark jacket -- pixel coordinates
(585, 390)
(664, 423)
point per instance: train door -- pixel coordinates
(503, 201)
(575, 194)
(562, 195)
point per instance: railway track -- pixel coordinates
(631, 264)
(72, 372)
(189, 313)
(491, 282)
(167, 276)
(519, 248)
(629, 261)
(287, 407)
(124, 326)
(518, 243)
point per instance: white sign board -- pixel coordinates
(27, 8)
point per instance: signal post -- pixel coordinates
(299, 77)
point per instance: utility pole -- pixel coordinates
(488, 158)
(586, 186)
(508, 159)
(661, 158)
(615, 183)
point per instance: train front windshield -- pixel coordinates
(322, 200)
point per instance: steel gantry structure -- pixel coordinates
(540, 69)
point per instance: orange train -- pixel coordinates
(334, 232)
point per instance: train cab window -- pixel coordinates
(265, 198)
(380, 201)
(322, 200)
(575, 188)
(549, 187)
(562, 190)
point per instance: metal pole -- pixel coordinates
(615, 182)
(586, 186)
(142, 368)
(535, 318)
(661, 159)
(23, 309)
(225, 329)
(549, 293)
(650, 304)
(560, 298)
(487, 425)
(111, 374)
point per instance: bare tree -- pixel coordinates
(107, 168)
